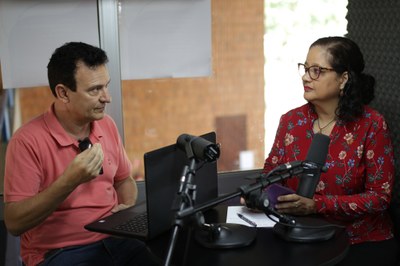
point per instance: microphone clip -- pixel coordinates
(264, 204)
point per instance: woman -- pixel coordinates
(356, 189)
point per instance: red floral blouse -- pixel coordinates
(356, 189)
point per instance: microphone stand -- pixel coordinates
(303, 229)
(244, 190)
(226, 235)
(185, 197)
(235, 235)
(299, 228)
(295, 229)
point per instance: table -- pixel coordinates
(267, 249)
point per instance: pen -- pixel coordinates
(247, 220)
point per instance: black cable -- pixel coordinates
(303, 226)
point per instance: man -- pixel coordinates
(52, 188)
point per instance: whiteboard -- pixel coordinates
(30, 30)
(158, 38)
(165, 38)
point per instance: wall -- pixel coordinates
(374, 26)
(380, 45)
(156, 111)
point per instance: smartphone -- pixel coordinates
(274, 191)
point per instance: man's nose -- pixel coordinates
(105, 96)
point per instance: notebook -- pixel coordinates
(163, 169)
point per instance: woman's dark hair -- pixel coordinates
(345, 55)
(62, 66)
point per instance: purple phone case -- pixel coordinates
(274, 191)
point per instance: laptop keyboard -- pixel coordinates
(136, 225)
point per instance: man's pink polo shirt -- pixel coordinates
(37, 155)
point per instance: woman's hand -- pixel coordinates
(295, 204)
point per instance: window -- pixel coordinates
(241, 97)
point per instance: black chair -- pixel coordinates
(395, 212)
(9, 244)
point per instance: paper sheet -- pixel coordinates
(258, 217)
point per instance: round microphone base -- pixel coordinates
(306, 230)
(225, 235)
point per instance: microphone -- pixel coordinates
(310, 170)
(313, 165)
(86, 144)
(309, 228)
(198, 147)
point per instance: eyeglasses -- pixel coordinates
(313, 71)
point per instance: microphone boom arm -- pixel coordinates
(264, 181)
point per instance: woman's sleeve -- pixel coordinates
(378, 165)
(277, 150)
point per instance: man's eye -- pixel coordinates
(94, 91)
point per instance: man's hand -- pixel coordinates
(120, 207)
(127, 193)
(85, 166)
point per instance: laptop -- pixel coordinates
(163, 169)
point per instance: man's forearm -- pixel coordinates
(23, 215)
(127, 191)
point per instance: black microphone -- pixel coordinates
(198, 147)
(308, 228)
(86, 144)
(313, 165)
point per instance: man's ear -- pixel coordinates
(62, 93)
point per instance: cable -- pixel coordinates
(302, 226)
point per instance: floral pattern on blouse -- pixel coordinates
(356, 189)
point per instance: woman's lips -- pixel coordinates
(306, 88)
